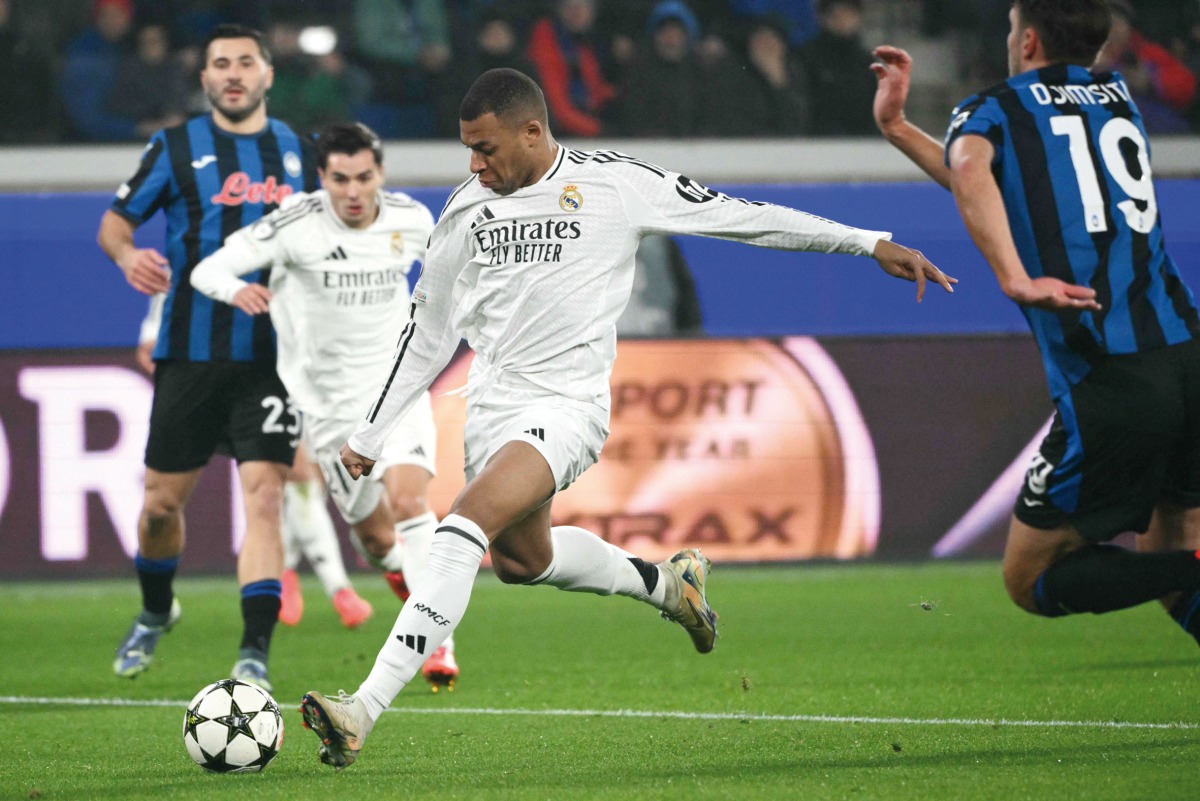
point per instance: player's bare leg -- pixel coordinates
(260, 565)
(375, 538)
(1176, 528)
(1056, 572)
(160, 542)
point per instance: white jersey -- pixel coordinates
(339, 295)
(535, 280)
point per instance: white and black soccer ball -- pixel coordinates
(232, 727)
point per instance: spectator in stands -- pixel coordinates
(1168, 22)
(26, 85)
(496, 43)
(405, 44)
(799, 20)
(90, 73)
(843, 87)
(1162, 85)
(973, 28)
(150, 88)
(189, 21)
(767, 95)
(661, 92)
(467, 18)
(568, 59)
(311, 91)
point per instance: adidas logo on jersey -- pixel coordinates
(337, 254)
(417, 451)
(540, 433)
(482, 217)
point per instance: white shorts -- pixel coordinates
(567, 433)
(413, 442)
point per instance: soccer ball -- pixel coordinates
(232, 727)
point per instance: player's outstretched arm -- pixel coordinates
(145, 268)
(911, 265)
(982, 209)
(894, 71)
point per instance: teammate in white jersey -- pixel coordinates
(338, 298)
(532, 261)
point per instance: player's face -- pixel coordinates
(502, 156)
(236, 78)
(353, 183)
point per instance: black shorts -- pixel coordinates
(237, 408)
(1125, 439)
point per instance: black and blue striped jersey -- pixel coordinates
(1073, 165)
(210, 183)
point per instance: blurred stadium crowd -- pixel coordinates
(116, 70)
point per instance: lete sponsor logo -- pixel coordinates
(239, 189)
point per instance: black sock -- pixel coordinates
(649, 573)
(1186, 612)
(1104, 578)
(260, 611)
(156, 577)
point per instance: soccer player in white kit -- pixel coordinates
(338, 298)
(532, 261)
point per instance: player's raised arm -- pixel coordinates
(982, 208)
(894, 69)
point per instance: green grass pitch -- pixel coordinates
(839, 682)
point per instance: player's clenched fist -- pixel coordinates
(356, 464)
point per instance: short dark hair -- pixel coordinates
(348, 138)
(511, 95)
(230, 31)
(1072, 31)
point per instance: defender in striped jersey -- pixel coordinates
(1051, 173)
(532, 261)
(338, 296)
(215, 384)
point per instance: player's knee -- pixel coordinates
(264, 498)
(510, 571)
(376, 543)
(406, 506)
(160, 510)
(1020, 588)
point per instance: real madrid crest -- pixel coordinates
(570, 199)
(397, 244)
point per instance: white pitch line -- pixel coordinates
(637, 713)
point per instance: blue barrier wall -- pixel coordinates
(61, 292)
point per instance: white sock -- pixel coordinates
(307, 524)
(430, 615)
(417, 535)
(583, 562)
